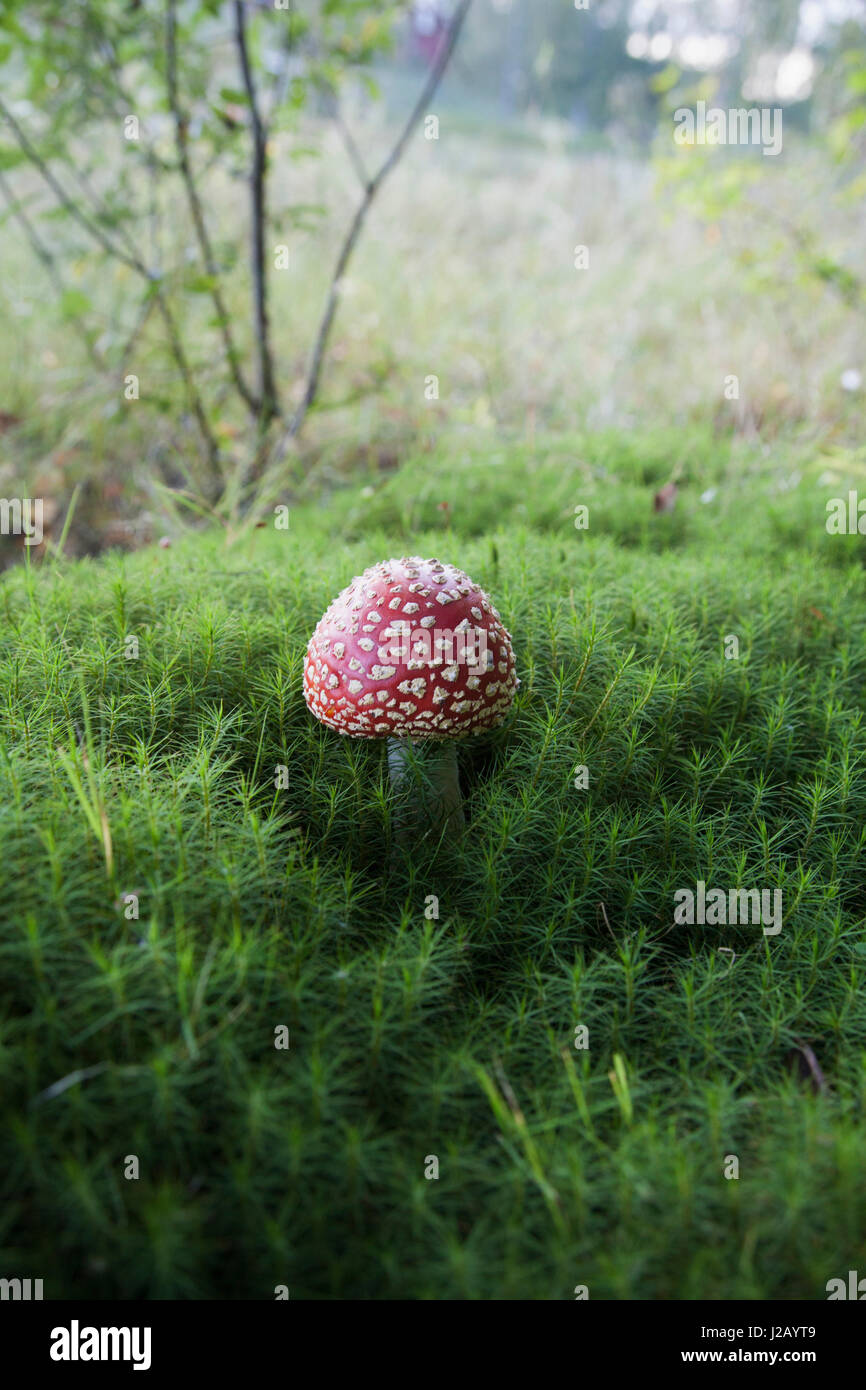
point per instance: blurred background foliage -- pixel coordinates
(555, 129)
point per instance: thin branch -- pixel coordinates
(124, 103)
(49, 261)
(279, 86)
(181, 138)
(258, 190)
(351, 147)
(43, 254)
(144, 313)
(134, 263)
(62, 196)
(357, 223)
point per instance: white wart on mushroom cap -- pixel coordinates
(354, 684)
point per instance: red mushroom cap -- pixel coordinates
(411, 649)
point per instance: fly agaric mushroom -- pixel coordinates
(415, 653)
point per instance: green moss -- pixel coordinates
(451, 1037)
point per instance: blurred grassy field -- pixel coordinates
(465, 272)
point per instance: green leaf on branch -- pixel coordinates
(74, 304)
(11, 158)
(201, 284)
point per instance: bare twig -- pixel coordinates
(49, 261)
(279, 86)
(181, 138)
(43, 254)
(357, 223)
(133, 262)
(156, 165)
(81, 217)
(258, 191)
(351, 147)
(144, 313)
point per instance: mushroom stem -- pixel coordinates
(426, 786)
